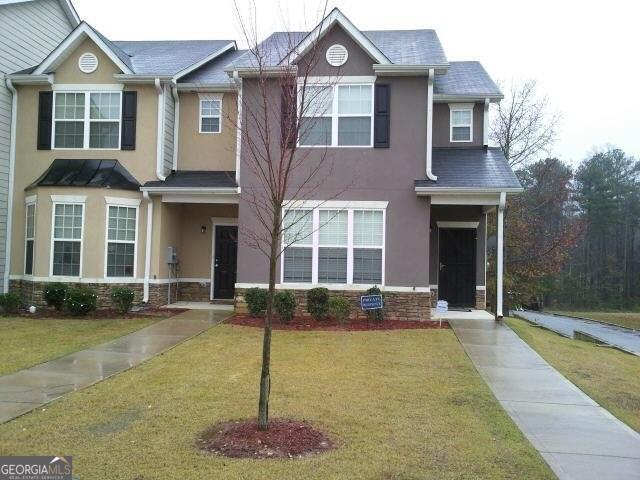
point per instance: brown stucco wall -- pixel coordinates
(441, 122)
(207, 151)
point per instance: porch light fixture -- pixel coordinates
(203, 229)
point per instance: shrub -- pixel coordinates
(81, 301)
(10, 302)
(340, 308)
(318, 302)
(285, 304)
(375, 315)
(55, 294)
(256, 299)
(122, 298)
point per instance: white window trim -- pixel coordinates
(211, 97)
(334, 115)
(120, 203)
(30, 201)
(53, 234)
(87, 120)
(460, 107)
(315, 246)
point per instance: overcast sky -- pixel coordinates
(584, 54)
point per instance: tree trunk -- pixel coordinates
(265, 375)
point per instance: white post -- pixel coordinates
(500, 255)
(147, 250)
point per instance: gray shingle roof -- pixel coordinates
(470, 168)
(465, 78)
(167, 57)
(213, 72)
(196, 179)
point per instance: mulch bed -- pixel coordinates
(303, 323)
(101, 314)
(283, 439)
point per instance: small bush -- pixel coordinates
(256, 299)
(375, 315)
(318, 303)
(10, 302)
(285, 304)
(81, 301)
(340, 308)
(122, 298)
(55, 294)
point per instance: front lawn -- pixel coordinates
(25, 342)
(626, 319)
(610, 377)
(402, 404)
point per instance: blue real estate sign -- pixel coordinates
(371, 302)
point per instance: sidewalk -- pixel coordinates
(578, 438)
(33, 387)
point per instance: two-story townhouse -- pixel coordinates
(412, 177)
(30, 30)
(124, 149)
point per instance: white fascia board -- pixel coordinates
(87, 87)
(204, 87)
(126, 202)
(445, 224)
(223, 198)
(191, 190)
(31, 79)
(336, 16)
(413, 70)
(248, 72)
(440, 98)
(463, 191)
(133, 78)
(208, 58)
(72, 41)
(68, 198)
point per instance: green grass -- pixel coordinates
(626, 319)
(400, 404)
(610, 377)
(25, 342)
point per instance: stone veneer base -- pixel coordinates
(481, 298)
(397, 305)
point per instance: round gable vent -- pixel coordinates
(88, 62)
(337, 55)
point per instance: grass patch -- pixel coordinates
(625, 319)
(399, 404)
(25, 342)
(610, 377)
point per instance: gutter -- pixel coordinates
(192, 190)
(30, 79)
(465, 191)
(265, 71)
(176, 124)
(429, 152)
(147, 250)
(133, 78)
(393, 69)
(160, 135)
(468, 98)
(12, 162)
(206, 87)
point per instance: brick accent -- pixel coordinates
(434, 297)
(194, 291)
(481, 299)
(398, 305)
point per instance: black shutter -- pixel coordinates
(45, 114)
(129, 110)
(288, 131)
(382, 118)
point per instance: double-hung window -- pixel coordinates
(461, 122)
(334, 246)
(210, 114)
(339, 115)
(68, 221)
(30, 236)
(83, 120)
(121, 241)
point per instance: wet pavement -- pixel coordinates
(33, 387)
(577, 438)
(622, 338)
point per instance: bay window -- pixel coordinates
(334, 246)
(68, 219)
(339, 115)
(83, 120)
(461, 122)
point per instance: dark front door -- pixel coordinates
(457, 277)
(225, 261)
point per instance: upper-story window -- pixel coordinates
(210, 113)
(461, 122)
(339, 115)
(84, 120)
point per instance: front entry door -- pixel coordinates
(457, 276)
(225, 261)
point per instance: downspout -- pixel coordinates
(485, 124)
(238, 82)
(12, 162)
(160, 136)
(147, 251)
(430, 174)
(500, 255)
(176, 124)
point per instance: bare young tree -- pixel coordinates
(279, 110)
(523, 126)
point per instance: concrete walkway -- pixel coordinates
(33, 387)
(578, 438)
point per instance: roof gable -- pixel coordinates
(67, 8)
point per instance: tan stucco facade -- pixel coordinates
(207, 151)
